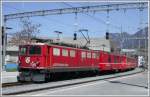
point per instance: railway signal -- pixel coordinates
(75, 36)
(107, 35)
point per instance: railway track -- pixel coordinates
(50, 86)
(14, 84)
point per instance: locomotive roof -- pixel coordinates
(57, 46)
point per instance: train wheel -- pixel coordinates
(47, 77)
(19, 80)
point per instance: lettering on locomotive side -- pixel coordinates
(60, 65)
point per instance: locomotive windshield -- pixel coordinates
(34, 50)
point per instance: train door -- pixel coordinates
(49, 56)
(46, 55)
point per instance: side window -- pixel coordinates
(64, 52)
(94, 55)
(72, 53)
(56, 51)
(83, 55)
(88, 55)
(97, 55)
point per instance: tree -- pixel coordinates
(28, 31)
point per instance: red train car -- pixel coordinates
(115, 62)
(38, 62)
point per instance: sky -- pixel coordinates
(129, 19)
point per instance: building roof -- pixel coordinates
(95, 43)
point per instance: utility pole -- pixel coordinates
(3, 45)
(4, 41)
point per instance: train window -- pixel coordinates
(23, 51)
(34, 50)
(72, 53)
(97, 55)
(64, 52)
(93, 55)
(88, 55)
(83, 54)
(56, 51)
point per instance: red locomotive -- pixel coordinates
(37, 62)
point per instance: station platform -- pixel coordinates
(8, 77)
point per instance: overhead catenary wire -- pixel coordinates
(83, 9)
(95, 18)
(107, 22)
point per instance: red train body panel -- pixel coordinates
(43, 60)
(58, 57)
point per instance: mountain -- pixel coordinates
(131, 41)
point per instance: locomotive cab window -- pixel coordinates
(64, 52)
(56, 51)
(34, 50)
(23, 51)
